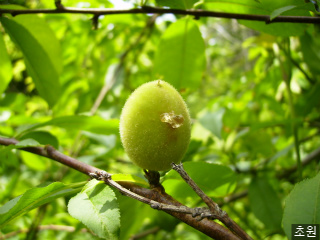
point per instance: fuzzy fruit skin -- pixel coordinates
(149, 142)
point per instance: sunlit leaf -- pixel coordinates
(302, 206)
(130, 178)
(40, 66)
(34, 198)
(109, 141)
(96, 206)
(42, 137)
(213, 121)
(93, 124)
(180, 57)
(41, 31)
(34, 161)
(281, 10)
(6, 67)
(265, 8)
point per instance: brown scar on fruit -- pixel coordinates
(175, 121)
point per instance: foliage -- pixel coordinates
(253, 90)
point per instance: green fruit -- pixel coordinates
(155, 126)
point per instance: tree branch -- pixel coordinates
(155, 197)
(148, 10)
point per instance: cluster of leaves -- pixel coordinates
(253, 90)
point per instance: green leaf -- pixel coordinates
(310, 101)
(215, 180)
(310, 50)
(133, 214)
(34, 198)
(258, 142)
(265, 203)
(27, 143)
(108, 141)
(41, 31)
(96, 207)
(264, 8)
(213, 121)
(316, 4)
(6, 67)
(281, 10)
(93, 124)
(180, 58)
(28, 33)
(178, 4)
(130, 178)
(302, 206)
(281, 153)
(42, 137)
(9, 160)
(34, 161)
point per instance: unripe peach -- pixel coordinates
(155, 126)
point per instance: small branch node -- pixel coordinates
(155, 205)
(95, 21)
(206, 215)
(196, 17)
(101, 175)
(94, 175)
(201, 213)
(176, 167)
(220, 212)
(196, 212)
(147, 8)
(59, 4)
(49, 149)
(268, 21)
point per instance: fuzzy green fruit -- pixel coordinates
(155, 126)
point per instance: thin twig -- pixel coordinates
(214, 208)
(216, 211)
(148, 10)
